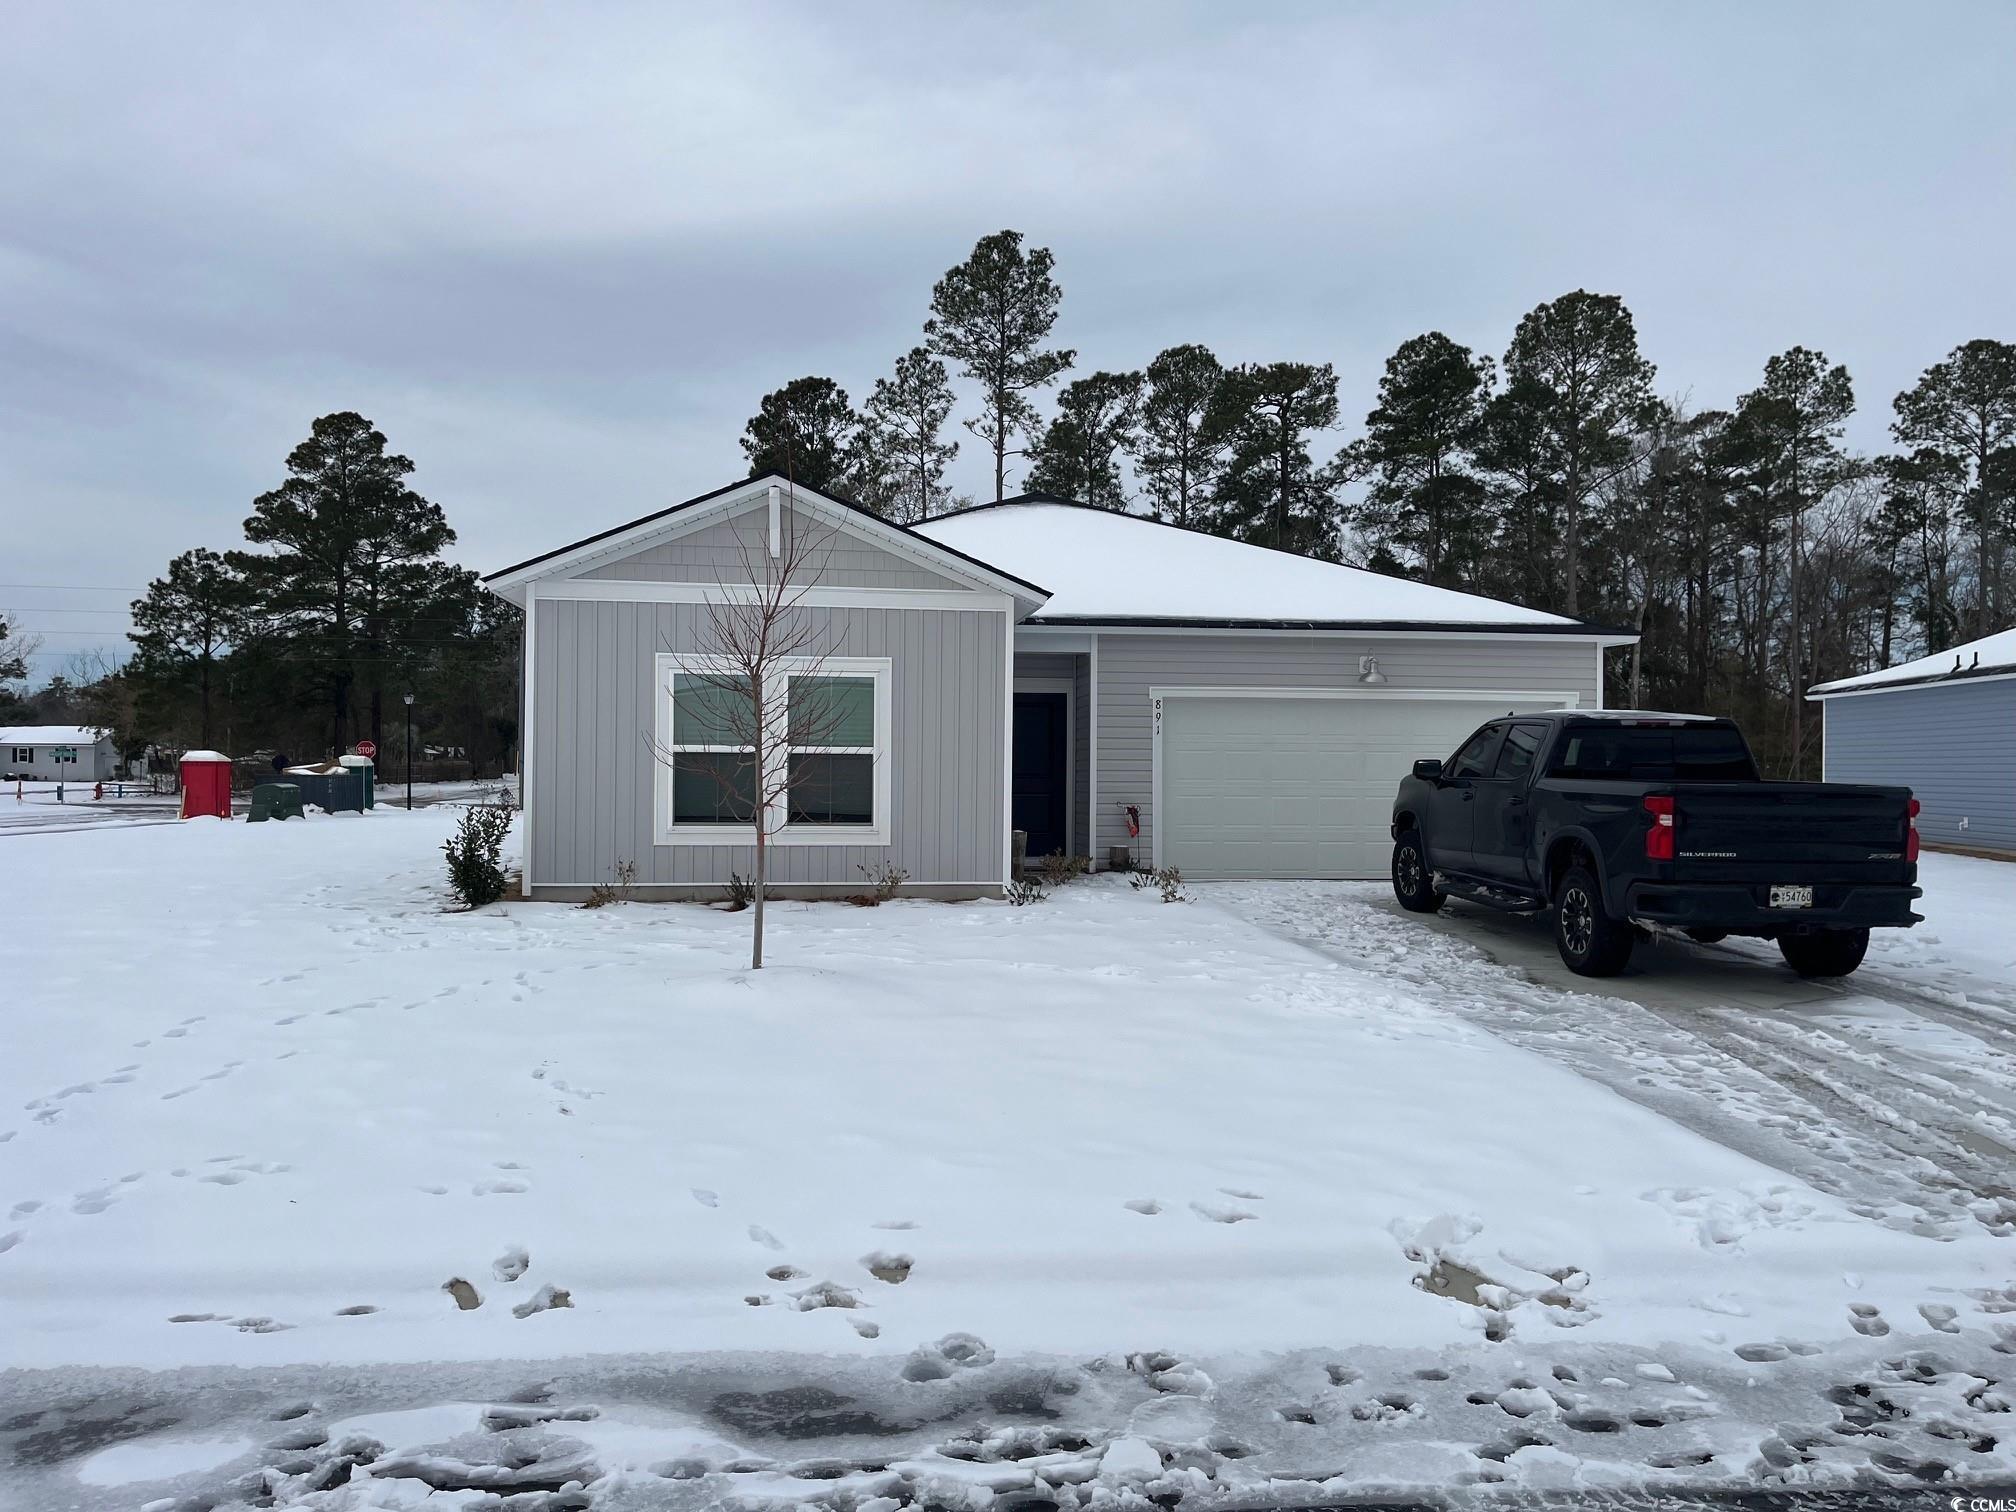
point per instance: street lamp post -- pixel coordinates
(409, 753)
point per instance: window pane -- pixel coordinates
(717, 787)
(1515, 758)
(710, 710)
(833, 711)
(832, 789)
(1469, 761)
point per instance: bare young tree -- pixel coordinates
(764, 731)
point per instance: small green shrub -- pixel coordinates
(741, 892)
(475, 854)
(1025, 890)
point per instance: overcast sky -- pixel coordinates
(557, 253)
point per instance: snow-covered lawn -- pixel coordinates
(267, 1097)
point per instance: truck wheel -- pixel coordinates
(1590, 941)
(1831, 953)
(1413, 884)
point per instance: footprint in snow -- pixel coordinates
(1221, 1212)
(94, 1201)
(489, 1188)
(1148, 1207)
(764, 1237)
(700, 1194)
(512, 1264)
(23, 1209)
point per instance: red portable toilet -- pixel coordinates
(206, 785)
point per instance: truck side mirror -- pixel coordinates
(1428, 770)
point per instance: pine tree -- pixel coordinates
(991, 316)
(1795, 420)
(1576, 361)
(805, 431)
(1515, 452)
(348, 543)
(182, 627)
(1423, 508)
(1272, 492)
(1079, 455)
(902, 425)
(1181, 452)
(1965, 409)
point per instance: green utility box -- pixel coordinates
(366, 771)
(275, 800)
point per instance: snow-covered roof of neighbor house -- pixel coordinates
(40, 735)
(1986, 657)
(1102, 567)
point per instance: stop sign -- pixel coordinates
(368, 749)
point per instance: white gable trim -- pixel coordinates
(758, 491)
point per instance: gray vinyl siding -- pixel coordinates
(1953, 745)
(591, 803)
(722, 551)
(1129, 665)
(1071, 667)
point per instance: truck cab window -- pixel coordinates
(1515, 757)
(1473, 760)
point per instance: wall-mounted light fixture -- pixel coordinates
(1369, 673)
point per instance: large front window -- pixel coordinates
(826, 777)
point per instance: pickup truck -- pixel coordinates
(1621, 821)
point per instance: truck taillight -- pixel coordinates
(1911, 832)
(1662, 831)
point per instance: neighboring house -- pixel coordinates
(1254, 710)
(47, 753)
(1943, 726)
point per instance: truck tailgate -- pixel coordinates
(1767, 832)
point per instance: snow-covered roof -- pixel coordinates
(48, 735)
(1978, 658)
(1103, 566)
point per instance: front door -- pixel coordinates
(1452, 803)
(1501, 823)
(1041, 770)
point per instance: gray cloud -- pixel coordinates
(557, 253)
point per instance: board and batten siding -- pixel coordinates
(1129, 665)
(593, 771)
(1952, 744)
(722, 552)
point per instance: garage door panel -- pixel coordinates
(1297, 787)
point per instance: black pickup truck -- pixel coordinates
(1623, 820)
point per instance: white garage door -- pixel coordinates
(1298, 787)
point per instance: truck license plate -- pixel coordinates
(1791, 897)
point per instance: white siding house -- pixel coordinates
(49, 753)
(1943, 726)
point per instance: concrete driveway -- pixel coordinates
(1894, 1089)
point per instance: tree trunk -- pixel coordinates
(762, 859)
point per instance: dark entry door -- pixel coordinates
(1041, 768)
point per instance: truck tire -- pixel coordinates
(1590, 941)
(1830, 953)
(1413, 883)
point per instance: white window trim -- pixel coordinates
(778, 829)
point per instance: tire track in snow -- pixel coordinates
(1851, 1115)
